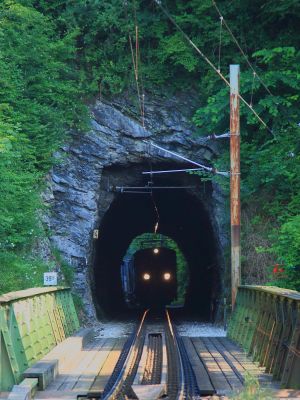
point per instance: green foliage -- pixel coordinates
(66, 270)
(102, 30)
(19, 198)
(287, 249)
(252, 390)
(79, 305)
(269, 160)
(18, 271)
(40, 100)
(39, 87)
(279, 68)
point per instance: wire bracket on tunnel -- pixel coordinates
(201, 167)
(169, 171)
(147, 189)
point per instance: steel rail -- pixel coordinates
(117, 387)
(181, 394)
(121, 385)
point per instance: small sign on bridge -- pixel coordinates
(50, 278)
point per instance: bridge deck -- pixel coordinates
(88, 370)
(219, 366)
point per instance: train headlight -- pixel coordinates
(146, 277)
(156, 251)
(167, 276)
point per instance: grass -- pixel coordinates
(253, 390)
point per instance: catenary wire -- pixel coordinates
(220, 43)
(240, 48)
(135, 62)
(211, 64)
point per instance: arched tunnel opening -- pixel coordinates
(154, 263)
(184, 216)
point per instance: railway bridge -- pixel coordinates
(46, 354)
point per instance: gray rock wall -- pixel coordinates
(77, 196)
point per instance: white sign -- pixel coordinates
(50, 278)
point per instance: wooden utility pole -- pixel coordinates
(235, 181)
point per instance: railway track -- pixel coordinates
(153, 364)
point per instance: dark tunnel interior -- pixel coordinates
(182, 217)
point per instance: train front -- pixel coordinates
(156, 279)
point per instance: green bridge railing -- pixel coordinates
(266, 323)
(32, 322)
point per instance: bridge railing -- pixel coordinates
(32, 322)
(266, 323)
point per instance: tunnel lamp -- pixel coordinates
(156, 251)
(167, 276)
(146, 277)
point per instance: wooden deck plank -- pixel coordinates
(216, 375)
(71, 395)
(57, 395)
(66, 370)
(227, 370)
(79, 373)
(240, 370)
(218, 365)
(73, 343)
(241, 356)
(108, 367)
(204, 384)
(87, 379)
(250, 367)
(82, 377)
(80, 370)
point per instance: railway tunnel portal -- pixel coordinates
(181, 214)
(82, 198)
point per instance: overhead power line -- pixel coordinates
(135, 56)
(240, 48)
(210, 63)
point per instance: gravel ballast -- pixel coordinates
(113, 329)
(198, 329)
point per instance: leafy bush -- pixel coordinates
(18, 271)
(269, 161)
(40, 100)
(287, 249)
(39, 86)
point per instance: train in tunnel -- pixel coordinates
(128, 279)
(149, 277)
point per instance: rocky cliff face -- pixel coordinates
(77, 195)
